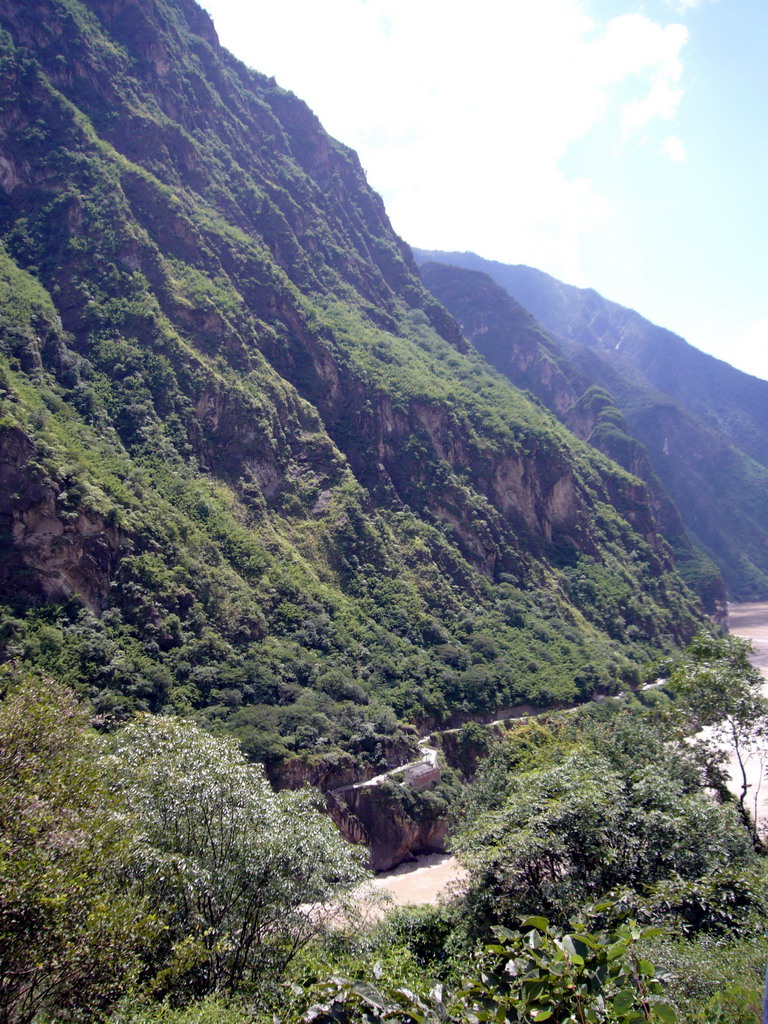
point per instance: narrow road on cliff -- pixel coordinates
(428, 758)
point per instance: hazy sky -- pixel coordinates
(617, 144)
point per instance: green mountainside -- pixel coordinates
(250, 469)
(702, 425)
(512, 341)
(257, 484)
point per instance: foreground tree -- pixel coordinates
(719, 693)
(72, 930)
(163, 865)
(609, 807)
(537, 973)
(243, 875)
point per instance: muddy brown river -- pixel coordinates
(422, 880)
(751, 621)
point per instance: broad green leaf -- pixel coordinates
(650, 933)
(664, 1012)
(624, 1000)
(535, 922)
(369, 994)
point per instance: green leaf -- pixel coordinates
(624, 1000)
(665, 1013)
(605, 904)
(535, 922)
(650, 933)
(369, 994)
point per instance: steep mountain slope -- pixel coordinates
(513, 342)
(733, 402)
(506, 334)
(250, 467)
(702, 424)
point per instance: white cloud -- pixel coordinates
(751, 350)
(462, 114)
(683, 7)
(674, 148)
(653, 51)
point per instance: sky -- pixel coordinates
(615, 144)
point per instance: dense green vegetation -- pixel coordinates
(251, 470)
(152, 875)
(605, 822)
(261, 503)
(159, 860)
(693, 428)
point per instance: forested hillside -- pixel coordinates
(703, 425)
(250, 467)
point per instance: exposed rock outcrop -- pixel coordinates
(49, 548)
(377, 816)
(332, 771)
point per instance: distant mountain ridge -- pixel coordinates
(703, 423)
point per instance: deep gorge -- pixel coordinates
(313, 556)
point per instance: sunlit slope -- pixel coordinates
(252, 470)
(703, 424)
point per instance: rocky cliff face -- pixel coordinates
(52, 547)
(604, 395)
(378, 817)
(506, 334)
(254, 472)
